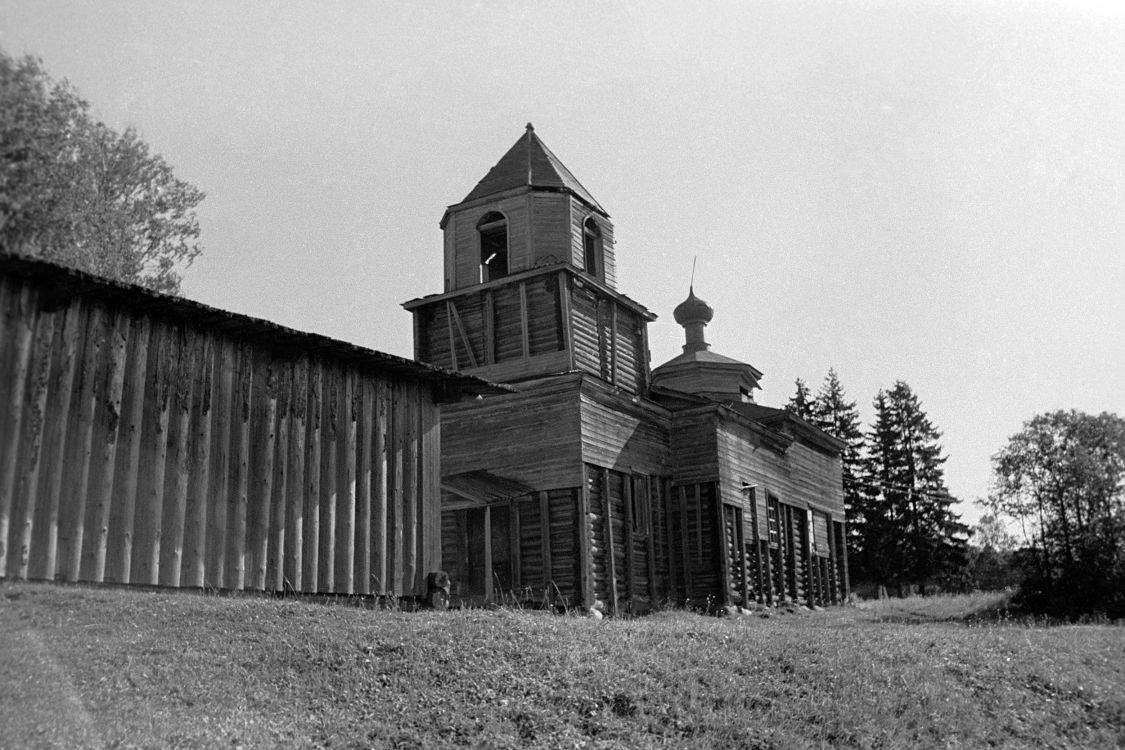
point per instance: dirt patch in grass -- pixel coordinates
(91, 667)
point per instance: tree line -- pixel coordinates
(1060, 482)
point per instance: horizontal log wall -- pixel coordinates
(154, 451)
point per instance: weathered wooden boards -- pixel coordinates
(535, 323)
(155, 450)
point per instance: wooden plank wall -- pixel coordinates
(622, 435)
(150, 451)
(608, 338)
(579, 212)
(542, 420)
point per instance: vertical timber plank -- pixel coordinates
(240, 413)
(582, 529)
(395, 501)
(195, 523)
(311, 551)
(40, 374)
(283, 372)
(264, 477)
(363, 486)
(346, 577)
(24, 325)
(630, 540)
(295, 529)
(219, 515)
(379, 483)
(611, 561)
(171, 568)
(63, 389)
(134, 423)
(545, 534)
(87, 399)
(115, 381)
(332, 422)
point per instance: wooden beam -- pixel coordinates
(410, 491)
(452, 336)
(684, 542)
(545, 537)
(456, 317)
(199, 493)
(330, 435)
(243, 399)
(40, 374)
(514, 541)
(157, 467)
(582, 530)
(613, 375)
(345, 580)
(310, 553)
(172, 568)
(755, 530)
(525, 333)
(627, 506)
(63, 387)
(740, 540)
(670, 539)
(650, 534)
(381, 487)
(611, 562)
(842, 531)
(363, 488)
(566, 332)
(721, 536)
(298, 487)
(489, 328)
(488, 592)
(25, 329)
(280, 486)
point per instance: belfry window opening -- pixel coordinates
(493, 232)
(592, 247)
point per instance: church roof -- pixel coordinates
(707, 356)
(530, 163)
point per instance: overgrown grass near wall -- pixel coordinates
(97, 667)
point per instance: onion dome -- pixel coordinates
(693, 310)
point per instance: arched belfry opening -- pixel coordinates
(592, 247)
(492, 231)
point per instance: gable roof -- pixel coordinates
(530, 163)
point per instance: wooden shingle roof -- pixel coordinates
(529, 163)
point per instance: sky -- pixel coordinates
(931, 192)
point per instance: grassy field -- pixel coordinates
(83, 667)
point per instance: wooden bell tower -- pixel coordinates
(530, 281)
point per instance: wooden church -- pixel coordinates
(604, 482)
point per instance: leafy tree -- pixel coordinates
(991, 560)
(74, 191)
(801, 402)
(908, 532)
(1062, 479)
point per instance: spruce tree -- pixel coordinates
(909, 532)
(801, 403)
(832, 412)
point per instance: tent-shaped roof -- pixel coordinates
(530, 163)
